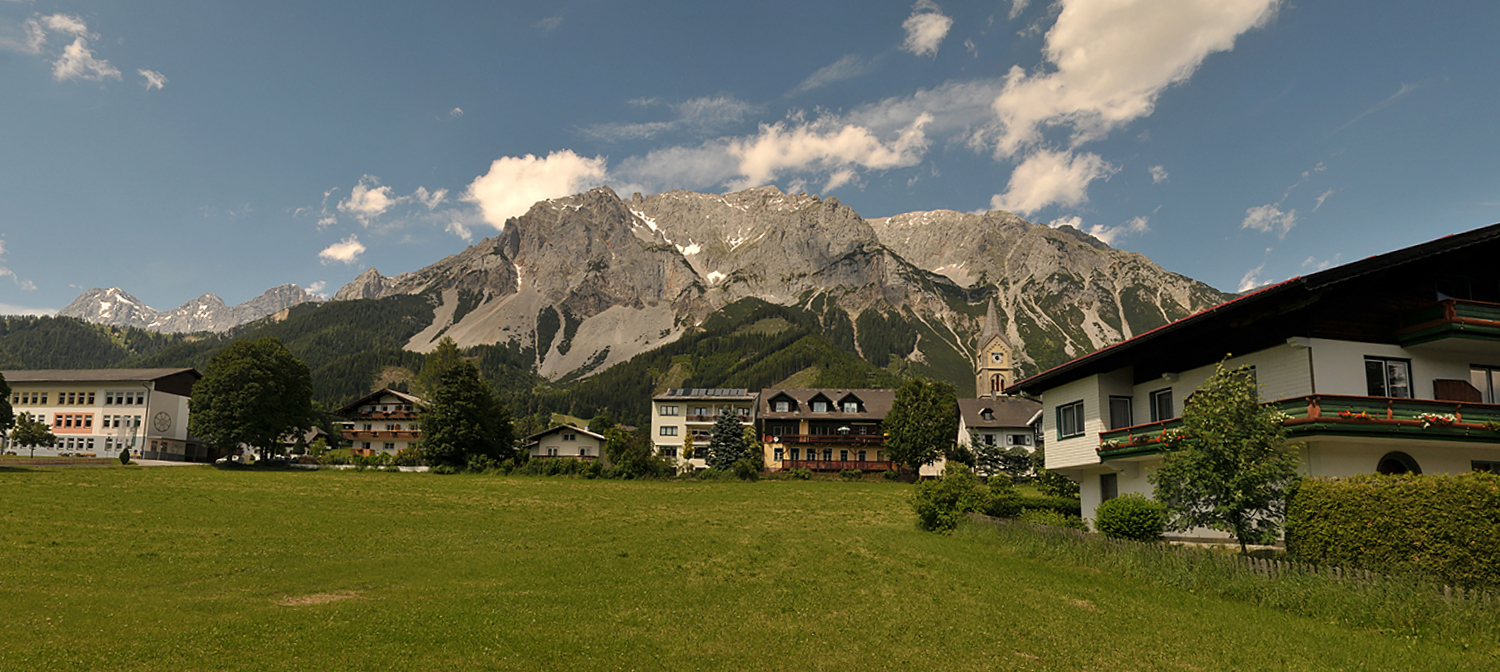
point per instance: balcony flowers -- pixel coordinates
(1430, 420)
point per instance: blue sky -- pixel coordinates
(176, 148)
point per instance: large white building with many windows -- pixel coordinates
(681, 413)
(1390, 364)
(100, 412)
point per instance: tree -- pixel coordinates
(726, 442)
(923, 422)
(1050, 483)
(993, 460)
(1230, 469)
(464, 422)
(631, 455)
(687, 450)
(7, 414)
(31, 432)
(444, 356)
(253, 394)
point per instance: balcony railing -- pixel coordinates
(828, 439)
(1450, 318)
(839, 465)
(1338, 414)
(366, 434)
(694, 417)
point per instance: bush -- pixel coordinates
(1440, 525)
(408, 457)
(890, 475)
(746, 469)
(1066, 506)
(941, 503)
(1053, 518)
(800, 473)
(851, 474)
(124, 457)
(1006, 505)
(1132, 517)
(444, 469)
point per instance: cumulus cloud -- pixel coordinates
(1251, 279)
(1106, 234)
(346, 251)
(456, 112)
(154, 79)
(1269, 218)
(925, 28)
(1051, 178)
(317, 288)
(431, 199)
(367, 200)
(1108, 60)
(848, 67)
(824, 145)
(67, 24)
(1158, 174)
(78, 62)
(513, 184)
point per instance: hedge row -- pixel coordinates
(1444, 526)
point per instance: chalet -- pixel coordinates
(384, 421)
(1390, 364)
(101, 412)
(565, 441)
(824, 429)
(1003, 422)
(679, 413)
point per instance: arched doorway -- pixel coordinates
(1397, 463)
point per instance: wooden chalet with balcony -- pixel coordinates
(1390, 364)
(824, 429)
(384, 421)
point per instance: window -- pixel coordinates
(989, 439)
(820, 406)
(1070, 420)
(1018, 440)
(91, 399)
(700, 411)
(668, 451)
(667, 430)
(552, 452)
(1121, 413)
(390, 447)
(782, 406)
(776, 454)
(583, 452)
(1486, 379)
(1485, 465)
(827, 454)
(851, 407)
(997, 357)
(796, 454)
(861, 456)
(1386, 377)
(843, 456)
(570, 437)
(987, 414)
(1397, 463)
(1109, 487)
(1161, 405)
(668, 410)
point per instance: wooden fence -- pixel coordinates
(1266, 567)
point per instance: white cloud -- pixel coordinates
(513, 184)
(5, 272)
(1106, 234)
(826, 145)
(154, 79)
(36, 36)
(698, 115)
(367, 200)
(1312, 263)
(78, 62)
(11, 309)
(317, 288)
(925, 28)
(848, 67)
(1110, 60)
(346, 251)
(1016, 7)
(429, 199)
(456, 112)
(550, 23)
(1322, 197)
(327, 220)
(705, 166)
(1051, 178)
(1251, 279)
(1158, 174)
(1269, 218)
(458, 228)
(67, 24)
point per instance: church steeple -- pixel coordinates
(992, 364)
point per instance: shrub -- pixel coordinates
(1053, 518)
(746, 469)
(941, 503)
(1004, 505)
(1131, 516)
(800, 473)
(444, 469)
(124, 457)
(1066, 506)
(851, 474)
(890, 474)
(408, 457)
(1440, 525)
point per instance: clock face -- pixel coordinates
(998, 357)
(162, 422)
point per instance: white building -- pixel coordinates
(383, 421)
(1389, 364)
(680, 413)
(998, 422)
(99, 412)
(566, 441)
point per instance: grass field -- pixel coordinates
(195, 568)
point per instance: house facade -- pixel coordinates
(998, 422)
(101, 412)
(565, 441)
(824, 429)
(384, 421)
(681, 413)
(1386, 365)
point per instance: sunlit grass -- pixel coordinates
(196, 568)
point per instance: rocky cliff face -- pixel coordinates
(115, 307)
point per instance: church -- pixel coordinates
(993, 419)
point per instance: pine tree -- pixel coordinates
(726, 442)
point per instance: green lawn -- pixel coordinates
(194, 568)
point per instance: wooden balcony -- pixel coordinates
(839, 465)
(1450, 318)
(1346, 415)
(827, 439)
(373, 435)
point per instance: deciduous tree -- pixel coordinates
(923, 422)
(253, 394)
(30, 432)
(1231, 468)
(463, 421)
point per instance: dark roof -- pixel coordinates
(877, 403)
(373, 397)
(557, 428)
(174, 381)
(706, 394)
(1008, 411)
(1300, 306)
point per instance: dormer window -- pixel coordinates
(820, 406)
(851, 407)
(987, 414)
(782, 406)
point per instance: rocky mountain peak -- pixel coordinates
(208, 312)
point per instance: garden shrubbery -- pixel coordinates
(1131, 516)
(941, 503)
(1443, 526)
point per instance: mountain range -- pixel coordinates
(581, 283)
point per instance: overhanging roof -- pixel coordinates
(173, 381)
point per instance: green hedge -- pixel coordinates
(1131, 516)
(1446, 527)
(1068, 506)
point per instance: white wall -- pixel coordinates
(1079, 450)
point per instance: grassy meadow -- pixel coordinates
(194, 568)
